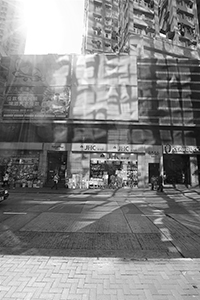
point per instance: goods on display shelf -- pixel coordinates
(77, 182)
(96, 183)
(22, 169)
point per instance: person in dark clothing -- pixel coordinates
(153, 182)
(55, 180)
(6, 180)
(160, 183)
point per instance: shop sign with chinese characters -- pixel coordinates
(171, 149)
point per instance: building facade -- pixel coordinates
(12, 27)
(91, 116)
(143, 27)
(100, 26)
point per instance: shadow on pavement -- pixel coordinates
(132, 224)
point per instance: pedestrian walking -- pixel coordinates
(55, 180)
(6, 180)
(160, 183)
(153, 182)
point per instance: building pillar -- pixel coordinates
(43, 166)
(194, 170)
(161, 165)
(141, 170)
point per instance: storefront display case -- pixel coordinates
(123, 167)
(22, 167)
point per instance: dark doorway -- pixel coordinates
(154, 170)
(57, 162)
(177, 169)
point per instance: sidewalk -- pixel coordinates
(43, 278)
(40, 277)
(47, 190)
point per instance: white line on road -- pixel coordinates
(14, 213)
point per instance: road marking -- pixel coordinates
(14, 213)
(76, 196)
(41, 201)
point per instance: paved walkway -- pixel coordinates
(43, 278)
(90, 278)
(45, 190)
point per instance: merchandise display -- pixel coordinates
(22, 168)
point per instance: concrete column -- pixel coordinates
(43, 165)
(194, 170)
(161, 165)
(141, 170)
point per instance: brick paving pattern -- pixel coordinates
(38, 277)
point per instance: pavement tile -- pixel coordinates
(35, 277)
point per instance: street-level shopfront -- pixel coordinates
(21, 162)
(91, 165)
(181, 164)
(33, 164)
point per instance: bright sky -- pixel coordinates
(54, 26)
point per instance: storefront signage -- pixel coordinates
(171, 149)
(89, 147)
(153, 152)
(124, 148)
(93, 147)
(108, 148)
(56, 147)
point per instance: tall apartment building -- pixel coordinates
(12, 28)
(101, 26)
(167, 25)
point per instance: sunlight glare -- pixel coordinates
(53, 26)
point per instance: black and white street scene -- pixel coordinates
(99, 150)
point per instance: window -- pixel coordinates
(190, 5)
(137, 30)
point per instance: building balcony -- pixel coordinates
(108, 29)
(108, 14)
(98, 12)
(98, 2)
(97, 44)
(143, 20)
(185, 8)
(140, 21)
(185, 21)
(143, 6)
(144, 31)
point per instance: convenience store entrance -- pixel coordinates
(123, 166)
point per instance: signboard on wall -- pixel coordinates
(38, 86)
(178, 149)
(122, 148)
